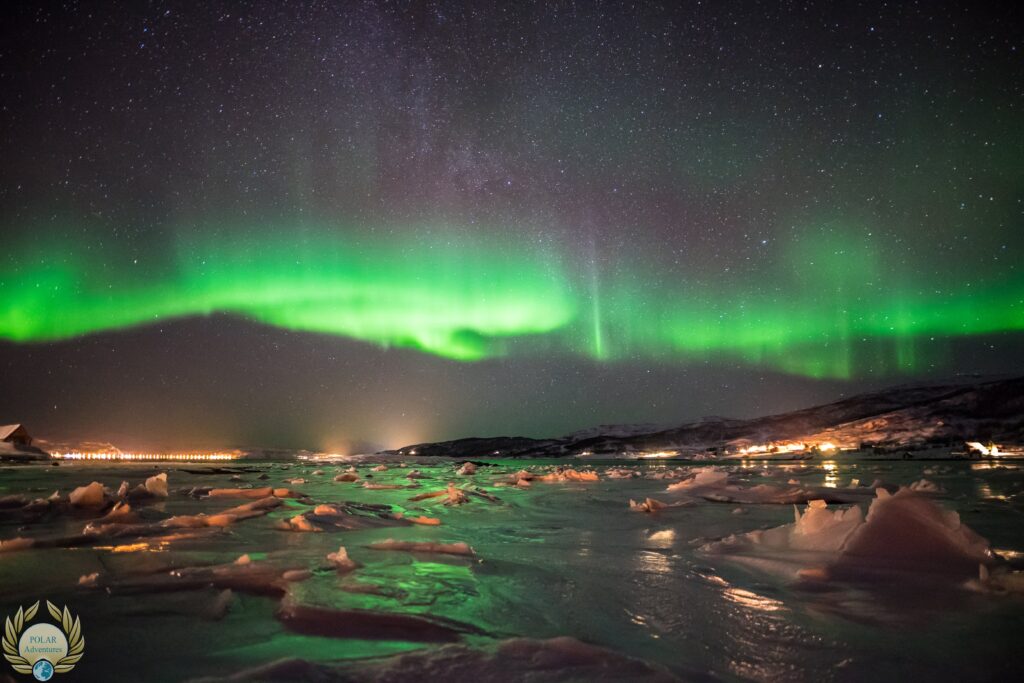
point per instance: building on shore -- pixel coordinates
(16, 435)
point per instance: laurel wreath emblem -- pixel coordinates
(70, 624)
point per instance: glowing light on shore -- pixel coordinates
(324, 457)
(659, 454)
(107, 455)
(991, 449)
(789, 447)
(995, 450)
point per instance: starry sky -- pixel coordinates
(348, 225)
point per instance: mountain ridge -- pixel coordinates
(933, 412)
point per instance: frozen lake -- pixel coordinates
(560, 558)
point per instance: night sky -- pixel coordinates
(339, 225)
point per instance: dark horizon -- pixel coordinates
(128, 441)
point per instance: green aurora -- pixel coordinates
(828, 308)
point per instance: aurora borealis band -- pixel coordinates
(472, 299)
(440, 298)
(301, 224)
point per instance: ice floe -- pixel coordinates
(459, 548)
(89, 496)
(539, 661)
(905, 531)
(703, 478)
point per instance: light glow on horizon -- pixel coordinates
(108, 455)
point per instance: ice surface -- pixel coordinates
(786, 598)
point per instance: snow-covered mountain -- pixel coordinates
(953, 411)
(616, 430)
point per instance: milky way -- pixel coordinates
(526, 218)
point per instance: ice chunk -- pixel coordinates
(621, 473)
(300, 523)
(904, 531)
(482, 493)
(157, 485)
(568, 474)
(768, 494)
(14, 544)
(1001, 580)
(364, 625)
(908, 529)
(341, 561)
(90, 496)
(649, 505)
(259, 578)
(424, 520)
(819, 528)
(557, 659)
(705, 477)
(241, 493)
(256, 508)
(467, 469)
(121, 513)
(423, 547)
(427, 495)
(455, 496)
